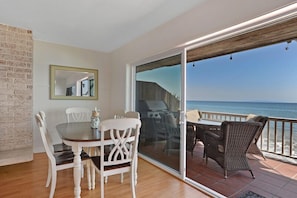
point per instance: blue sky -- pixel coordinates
(263, 74)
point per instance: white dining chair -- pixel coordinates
(132, 114)
(121, 135)
(57, 161)
(128, 114)
(59, 147)
(78, 114)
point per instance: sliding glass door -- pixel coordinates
(158, 94)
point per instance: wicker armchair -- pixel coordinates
(229, 149)
(254, 149)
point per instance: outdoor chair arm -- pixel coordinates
(213, 135)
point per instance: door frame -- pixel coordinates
(130, 104)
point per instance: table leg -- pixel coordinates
(77, 170)
(93, 175)
(89, 175)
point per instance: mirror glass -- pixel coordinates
(73, 83)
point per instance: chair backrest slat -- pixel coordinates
(78, 114)
(121, 138)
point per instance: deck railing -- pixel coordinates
(279, 135)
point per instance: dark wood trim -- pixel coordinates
(169, 61)
(276, 33)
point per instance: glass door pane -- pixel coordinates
(158, 92)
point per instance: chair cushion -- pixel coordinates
(61, 147)
(96, 161)
(67, 157)
(193, 116)
(251, 117)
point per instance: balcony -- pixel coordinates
(276, 176)
(273, 178)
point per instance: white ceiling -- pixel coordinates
(101, 25)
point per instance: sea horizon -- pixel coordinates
(265, 108)
(257, 101)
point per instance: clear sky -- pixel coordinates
(262, 74)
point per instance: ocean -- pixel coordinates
(270, 109)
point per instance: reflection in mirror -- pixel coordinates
(73, 83)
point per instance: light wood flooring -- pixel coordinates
(27, 180)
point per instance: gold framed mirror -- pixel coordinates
(73, 83)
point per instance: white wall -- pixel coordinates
(49, 53)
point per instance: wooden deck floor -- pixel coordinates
(27, 180)
(273, 178)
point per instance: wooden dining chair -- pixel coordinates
(57, 161)
(59, 147)
(121, 135)
(78, 114)
(128, 114)
(132, 114)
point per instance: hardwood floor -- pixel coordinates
(27, 180)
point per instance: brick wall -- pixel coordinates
(16, 91)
